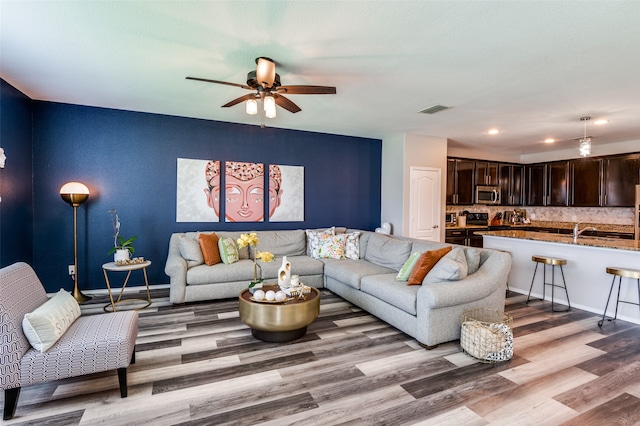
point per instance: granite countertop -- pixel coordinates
(627, 229)
(602, 242)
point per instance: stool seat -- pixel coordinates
(552, 262)
(624, 272)
(549, 260)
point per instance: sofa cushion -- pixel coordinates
(427, 260)
(241, 270)
(331, 246)
(209, 248)
(473, 259)
(228, 250)
(452, 267)
(47, 323)
(386, 288)
(243, 253)
(313, 239)
(350, 272)
(283, 243)
(405, 271)
(388, 252)
(191, 252)
(300, 265)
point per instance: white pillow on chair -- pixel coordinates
(45, 325)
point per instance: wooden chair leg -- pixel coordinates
(122, 378)
(10, 402)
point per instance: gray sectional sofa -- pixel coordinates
(431, 312)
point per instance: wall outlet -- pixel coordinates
(72, 269)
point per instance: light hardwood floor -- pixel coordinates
(198, 364)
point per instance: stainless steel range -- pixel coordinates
(478, 219)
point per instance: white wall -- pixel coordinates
(399, 153)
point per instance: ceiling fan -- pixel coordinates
(267, 87)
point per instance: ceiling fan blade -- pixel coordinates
(307, 90)
(219, 82)
(265, 72)
(286, 103)
(238, 100)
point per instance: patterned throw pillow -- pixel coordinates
(331, 246)
(352, 246)
(313, 240)
(228, 250)
(405, 271)
(46, 324)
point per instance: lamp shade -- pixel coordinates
(270, 106)
(74, 193)
(252, 106)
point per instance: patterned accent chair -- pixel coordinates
(92, 344)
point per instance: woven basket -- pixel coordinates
(486, 335)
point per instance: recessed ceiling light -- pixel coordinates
(601, 121)
(493, 131)
(549, 140)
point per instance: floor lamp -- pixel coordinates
(75, 193)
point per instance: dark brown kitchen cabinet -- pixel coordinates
(487, 173)
(557, 183)
(621, 174)
(586, 182)
(460, 181)
(535, 176)
(511, 184)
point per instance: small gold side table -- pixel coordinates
(111, 266)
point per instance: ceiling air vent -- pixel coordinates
(434, 109)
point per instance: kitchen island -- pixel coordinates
(585, 272)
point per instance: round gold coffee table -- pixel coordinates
(279, 322)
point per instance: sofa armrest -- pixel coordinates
(491, 275)
(176, 269)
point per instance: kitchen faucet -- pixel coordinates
(576, 232)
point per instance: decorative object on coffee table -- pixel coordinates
(252, 240)
(273, 321)
(284, 273)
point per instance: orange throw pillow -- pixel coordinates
(427, 260)
(209, 247)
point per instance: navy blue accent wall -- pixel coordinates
(128, 161)
(16, 207)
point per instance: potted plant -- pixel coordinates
(122, 249)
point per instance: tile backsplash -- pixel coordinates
(610, 215)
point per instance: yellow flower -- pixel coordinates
(248, 240)
(265, 256)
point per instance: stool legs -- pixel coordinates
(618, 301)
(552, 284)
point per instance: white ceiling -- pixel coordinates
(529, 68)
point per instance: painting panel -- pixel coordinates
(198, 190)
(286, 193)
(244, 192)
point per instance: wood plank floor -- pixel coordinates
(198, 364)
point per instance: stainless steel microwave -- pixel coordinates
(487, 194)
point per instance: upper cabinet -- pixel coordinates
(460, 180)
(558, 183)
(487, 173)
(536, 183)
(586, 182)
(621, 174)
(510, 179)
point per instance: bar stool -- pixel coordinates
(544, 260)
(620, 273)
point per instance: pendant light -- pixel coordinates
(252, 107)
(585, 142)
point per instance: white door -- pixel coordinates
(424, 203)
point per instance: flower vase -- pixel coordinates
(284, 273)
(257, 278)
(121, 255)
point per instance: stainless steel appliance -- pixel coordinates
(486, 194)
(515, 216)
(451, 219)
(478, 219)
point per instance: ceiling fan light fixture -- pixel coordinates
(269, 106)
(252, 107)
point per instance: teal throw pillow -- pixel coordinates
(228, 250)
(405, 271)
